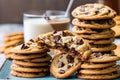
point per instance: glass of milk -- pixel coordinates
(39, 22)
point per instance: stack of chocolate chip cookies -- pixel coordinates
(10, 41)
(93, 22)
(30, 60)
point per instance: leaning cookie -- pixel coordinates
(27, 75)
(65, 41)
(103, 57)
(94, 24)
(109, 76)
(94, 11)
(100, 71)
(88, 65)
(64, 65)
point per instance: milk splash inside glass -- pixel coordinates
(36, 23)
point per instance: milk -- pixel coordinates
(34, 27)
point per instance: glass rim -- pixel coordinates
(41, 13)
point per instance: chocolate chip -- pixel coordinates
(69, 66)
(58, 45)
(70, 59)
(62, 71)
(54, 32)
(63, 33)
(82, 9)
(72, 50)
(98, 54)
(80, 42)
(96, 12)
(31, 40)
(56, 37)
(24, 46)
(61, 64)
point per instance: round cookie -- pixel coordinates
(103, 57)
(97, 65)
(41, 59)
(27, 75)
(18, 56)
(103, 48)
(31, 64)
(81, 30)
(29, 49)
(116, 28)
(19, 68)
(13, 34)
(101, 35)
(17, 37)
(100, 41)
(95, 24)
(13, 43)
(94, 11)
(64, 65)
(100, 76)
(100, 71)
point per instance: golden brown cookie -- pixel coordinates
(117, 30)
(27, 75)
(13, 34)
(19, 68)
(94, 11)
(64, 65)
(100, 76)
(31, 64)
(101, 35)
(18, 56)
(88, 65)
(94, 24)
(103, 57)
(65, 42)
(100, 71)
(102, 48)
(100, 41)
(40, 59)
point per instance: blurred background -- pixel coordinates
(11, 11)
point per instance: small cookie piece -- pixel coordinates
(18, 56)
(65, 41)
(88, 65)
(102, 48)
(100, 76)
(94, 24)
(30, 64)
(94, 11)
(100, 41)
(27, 75)
(100, 71)
(117, 51)
(64, 65)
(29, 48)
(40, 59)
(101, 35)
(103, 57)
(19, 68)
